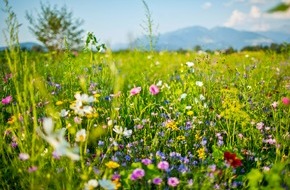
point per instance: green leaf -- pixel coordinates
(254, 178)
(282, 7)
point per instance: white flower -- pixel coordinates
(118, 129)
(24, 156)
(56, 139)
(47, 125)
(183, 96)
(127, 133)
(84, 98)
(201, 97)
(188, 107)
(159, 83)
(63, 113)
(199, 83)
(81, 136)
(91, 184)
(189, 64)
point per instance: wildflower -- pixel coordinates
(163, 165)
(173, 181)
(32, 169)
(135, 90)
(56, 139)
(112, 165)
(137, 174)
(157, 181)
(180, 138)
(23, 156)
(146, 161)
(78, 120)
(84, 98)
(107, 184)
(11, 120)
(189, 113)
(63, 113)
(81, 135)
(59, 103)
(274, 105)
(285, 101)
(189, 64)
(119, 130)
(6, 100)
(153, 89)
(232, 159)
(91, 184)
(183, 96)
(199, 83)
(260, 125)
(201, 153)
(159, 83)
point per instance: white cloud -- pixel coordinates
(255, 12)
(236, 18)
(207, 5)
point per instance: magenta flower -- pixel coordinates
(157, 181)
(163, 165)
(154, 89)
(6, 100)
(173, 181)
(135, 90)
(137, 174)
(146, 161)
(286, 101)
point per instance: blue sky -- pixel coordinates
(118, 21)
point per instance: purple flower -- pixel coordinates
(157, 181)
(6, 100)
(173, 181)
(146, 161)
(163, 165)
(135, 90)
(154, 89)
(137, 174)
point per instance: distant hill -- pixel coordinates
(212, 39)
(25, 45)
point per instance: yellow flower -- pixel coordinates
(112, 164)
(180, 138)
(201, 153)
(117, 183)
(59, 103)
(189, 113)
(11, 120)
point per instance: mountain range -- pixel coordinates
(217, 38)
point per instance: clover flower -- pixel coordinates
(6, 100)
(154, 89)
(173, 181)
(135, 90)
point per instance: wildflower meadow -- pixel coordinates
(144, 120)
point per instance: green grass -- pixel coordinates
(189, 126)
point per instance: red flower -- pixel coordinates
(232, 159)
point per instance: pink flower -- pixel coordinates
(135, 90)
(163, 165)
(7, 100)
(172, 181)
(154, 89)
(286, 101)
